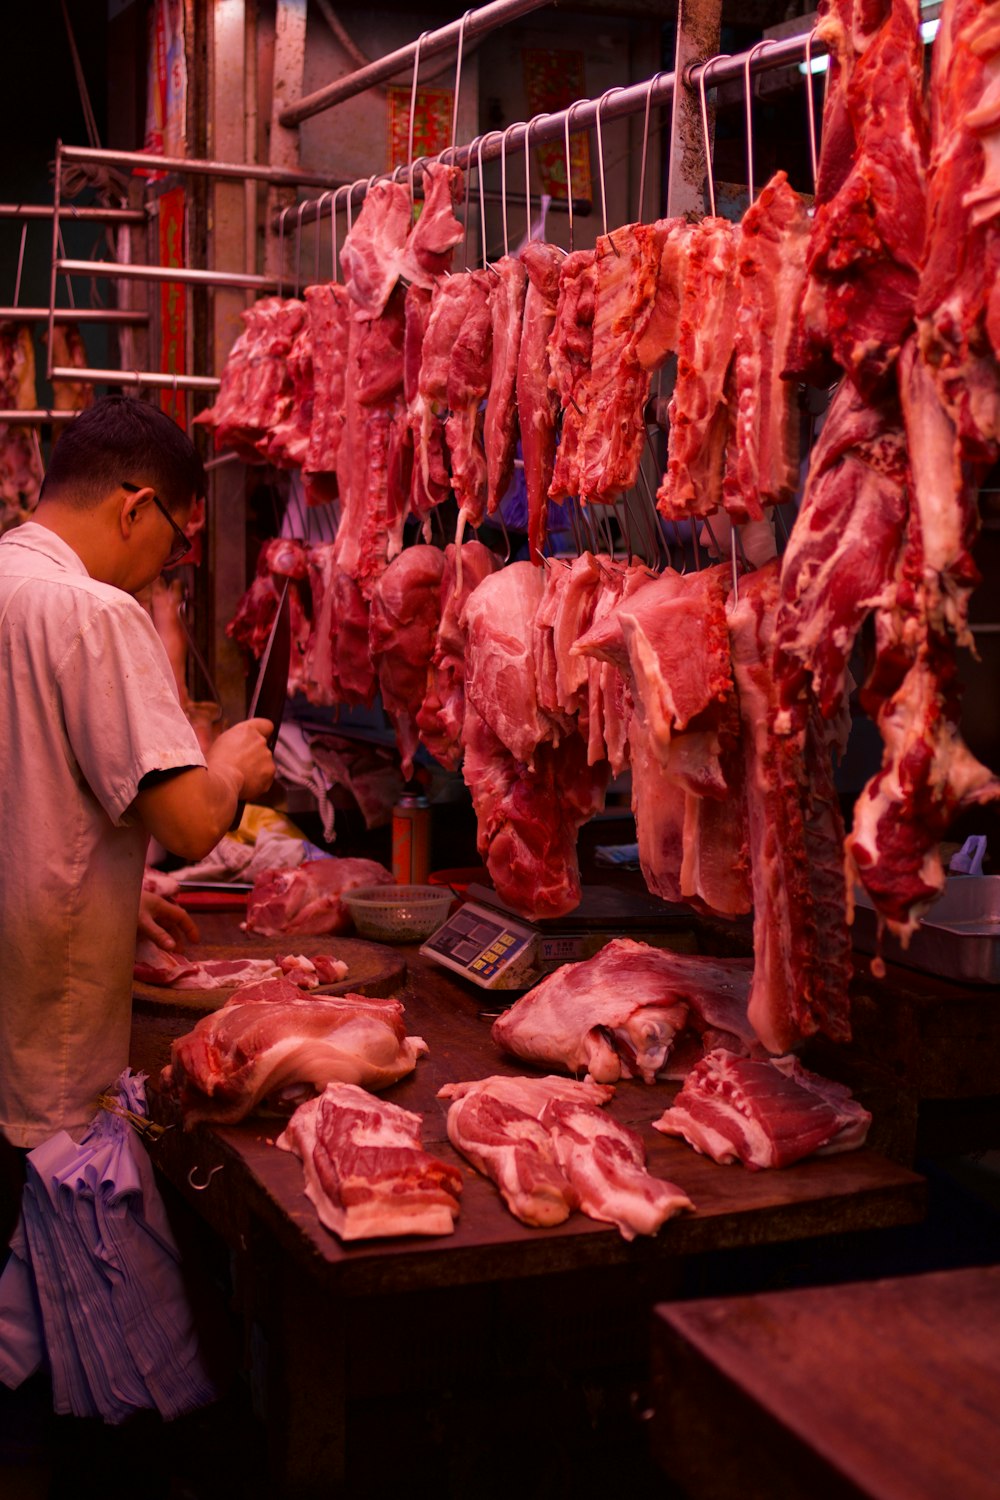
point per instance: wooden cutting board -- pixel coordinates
(372, 969)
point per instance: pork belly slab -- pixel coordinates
(268, 1037)
(365, 1167)
(763, 1113)
(550, 1148)
(308, 898)
(617, 1015)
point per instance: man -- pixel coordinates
(96, 756)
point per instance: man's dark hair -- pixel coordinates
(119, 438)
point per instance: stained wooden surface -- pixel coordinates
(887, 1389)
(854, 1191)
(372, 969)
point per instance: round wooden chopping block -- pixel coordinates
(372, 969)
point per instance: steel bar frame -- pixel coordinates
(199, 167)
(132, 315)
(88, 214)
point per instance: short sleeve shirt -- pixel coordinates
(88, 707)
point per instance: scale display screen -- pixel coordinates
(479, 943)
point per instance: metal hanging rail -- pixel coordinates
(198, 167)
(90, 213)
(476, 23)
(131, 315)
(132, 272)
(25, 416)
(763, 57)
(162, 378)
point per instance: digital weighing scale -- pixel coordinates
(488, 942)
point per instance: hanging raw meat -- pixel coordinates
(571, 348)
(338, 666)
(867, 239)
(537, 400)
(658, 338)
(405, 615)
(374, 492)
(762, 463)
(68, 352)
(442, 712)
(429, 409)
(764, 1114)
(372, 254)
(506, 302)
(958, 303)
(328, 312)
(20, 456)
(365, 1167)
(698, 411)
(430, 482)
(429, 246)
(802, 952)
(614, 391)
(255, 392)
(469, 370)
(287, 443)
(280, 559)
(840, 561)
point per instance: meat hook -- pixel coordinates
(298, 247)
(527, 163)
(569, 168)
(811, 108)
(199, 1187)
(458, 85)
(748, 99)
(645, 143)
(735, 595)
(506, 535)
(347, 204)
(503, 185)
(706, 134)
(333, 230)
(281, 248)
(413, 108)
(617, 89)
(319, 222)
(482, 197)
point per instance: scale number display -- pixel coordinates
(477, 942)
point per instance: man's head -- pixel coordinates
(121, 480)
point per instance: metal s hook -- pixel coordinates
(199, 1187)
(503, 183)
(350, 196)
(527, 164)
(569, 166)
(645, 144)
(298, 247)
(706, 135)
(334, 248)
(413, 108)
(811, 108)
(617, 89)
(482, 197)
(748, 98)
(281, 248)
(458, 84)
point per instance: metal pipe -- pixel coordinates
(74, 315)
(314, 209)
(137, 377)
(167, 273)
(25, 416)
(89, 214)
(783, 52)
(482, 21)
(280, 176)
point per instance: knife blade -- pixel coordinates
(271, 688)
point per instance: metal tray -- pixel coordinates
(958, 939)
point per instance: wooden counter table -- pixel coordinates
(496, 1304)
(886, 1389)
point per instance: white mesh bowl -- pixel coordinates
(398, 913)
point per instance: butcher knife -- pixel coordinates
(269, 694)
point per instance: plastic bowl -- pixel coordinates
(398, 913)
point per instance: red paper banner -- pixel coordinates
(173, 301)
(552, 81)
(431, 127)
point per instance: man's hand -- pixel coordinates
(165, 923)
(241, 753)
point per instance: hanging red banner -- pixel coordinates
(553, 80)
(431, 126)
(173, 301)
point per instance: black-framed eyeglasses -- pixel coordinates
(182, 544)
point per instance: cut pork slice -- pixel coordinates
(259, 1044)
(617, 1015)
(429, 246)
(309, 898)
(763, 1113)
(537, 399)
(405, 614)
(372, 253)
(365, 1167)
(549, 1147)
(443, 710)
(506, 303)
(153, 965)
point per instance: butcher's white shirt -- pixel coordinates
(88, 706)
